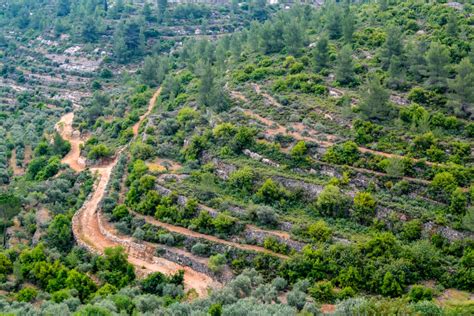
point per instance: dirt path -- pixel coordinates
(188, 232)
(86, 226)
(151, 104)
(67, 132)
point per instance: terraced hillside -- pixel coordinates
(239, 159)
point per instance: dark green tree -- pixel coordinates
(345, 67)
(392, 46)
(416, 62)
(334, 22)
(375, 104)
(162, 7)
(321, 54)
(463, 88)
(348, 27)
(438, 60)
(59, 234)
(10, 206)
(294, 37)
(89, 31)
(64, 7)
(452, 25)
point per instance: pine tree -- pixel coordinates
(334, 23)
(146, 12)
(120, 49)
(293, 36)
(348, 26)
(415, 58)
(148, 72)
(89, 32)
(463, 87)
(438, 60)
(392, 46)
(64, 8)
(375, 105)
(397, 74)
(321, 54)
(162, 7)
(345, 67)
(452, 26)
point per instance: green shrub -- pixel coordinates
(412, 230)
(242, 179)
(350, 277)
(425, 97)
(364, 207)
(366, 131)
(345, 154)
(270, 192)
(442, 186)
(200, 249)
(217, 262)
(391, 285)
(61, 295)
(99, 151)
(26, 294)
(299, 151)
(224, 224)
(271, 243)
(323, 292)
(420, 293)
(458, 202)
(119, 212)
(332, 202)
(319, 231)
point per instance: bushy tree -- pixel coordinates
(242, 179)
(319, 231)
(114, 267)
(458, 202)
(443, 185)
(420, 293)
(299, 151)
(27, 294)
(270, 192)
(364, 207)
(59, 233)
(322, 291)
(332, 202)
(391, 286)
(81, 283)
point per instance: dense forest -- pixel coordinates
(236, 158)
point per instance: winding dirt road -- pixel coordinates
(65, 129)
(86, 226)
